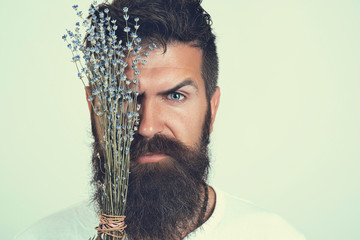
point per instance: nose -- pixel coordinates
(151, 122)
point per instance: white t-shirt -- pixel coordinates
(232, 219)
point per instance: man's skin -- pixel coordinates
(173, 101)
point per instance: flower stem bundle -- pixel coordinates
(108, 64)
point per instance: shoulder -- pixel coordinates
(244, 220)
(75, 222)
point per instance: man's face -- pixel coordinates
(173, 99)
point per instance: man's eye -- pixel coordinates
(175, 96)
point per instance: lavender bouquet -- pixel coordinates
(104, 61)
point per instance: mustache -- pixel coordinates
(158, 144)
(194, 161)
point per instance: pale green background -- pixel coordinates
(287, 131)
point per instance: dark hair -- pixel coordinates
(167, 21)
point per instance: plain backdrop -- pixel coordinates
(287, 132)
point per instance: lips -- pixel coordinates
(151, 158)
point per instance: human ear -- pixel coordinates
(214, 104)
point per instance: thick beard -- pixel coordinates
(164, 198)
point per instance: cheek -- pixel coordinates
(185, 124)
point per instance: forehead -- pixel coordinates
(180, 62)
(177, 53)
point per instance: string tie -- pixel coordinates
(112, 226)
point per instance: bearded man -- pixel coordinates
(168, 197)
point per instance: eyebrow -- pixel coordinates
(187, 82)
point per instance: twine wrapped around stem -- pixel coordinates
(109, 225)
